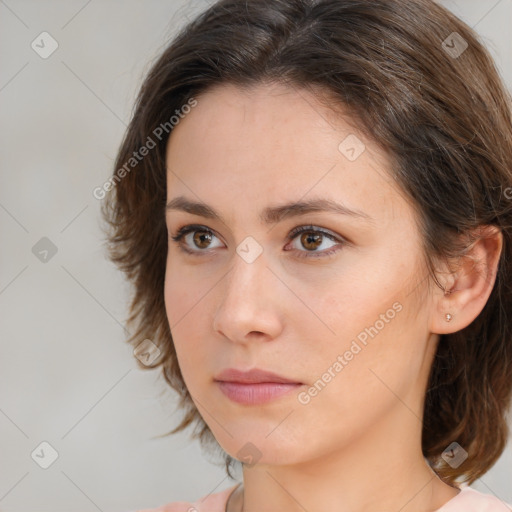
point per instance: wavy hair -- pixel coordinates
(418, 82)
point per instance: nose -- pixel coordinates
(251, 304)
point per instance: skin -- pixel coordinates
(356, 446)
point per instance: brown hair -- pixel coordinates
(439, 109)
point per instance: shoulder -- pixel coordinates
(175, 506)
(213, 502)
(471, 500)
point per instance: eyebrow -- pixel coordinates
(270, 214)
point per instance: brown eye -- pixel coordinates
(202, 238)
(311, 240)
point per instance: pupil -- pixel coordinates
(315, 239)
(202, 238)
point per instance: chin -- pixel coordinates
(256, 446)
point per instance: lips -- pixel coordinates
(254, 387)
(254, 376)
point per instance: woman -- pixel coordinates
(313, 201)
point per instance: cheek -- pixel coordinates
(375, 339)
(183, 292)
(346, 303)
(183, 309)
(354, 384)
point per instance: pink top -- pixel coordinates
(468, 500)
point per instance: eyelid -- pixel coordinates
(190, 228)
(326, 253)
(311, 227)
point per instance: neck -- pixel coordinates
(382, 470)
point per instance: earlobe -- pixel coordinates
(472, 284)
(445, 314)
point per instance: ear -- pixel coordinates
(469, 287)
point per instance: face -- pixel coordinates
(339, 308)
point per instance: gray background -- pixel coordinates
(66, 375)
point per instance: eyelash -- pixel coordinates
(183, 231)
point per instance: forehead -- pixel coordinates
(272, 143)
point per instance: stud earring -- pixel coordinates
(448, 317)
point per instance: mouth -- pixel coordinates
(255, 386)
